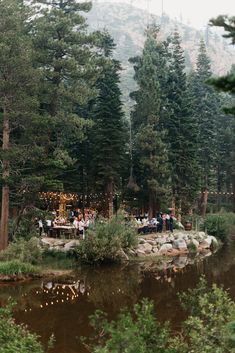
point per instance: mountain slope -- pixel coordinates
(127, 25)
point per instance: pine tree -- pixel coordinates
(18, 104)
(69, 59)
(182, 133)
(227, 84)
(151, 165)
(205, 107)
(108, 133)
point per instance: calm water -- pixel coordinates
(63, 306)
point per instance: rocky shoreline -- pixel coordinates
(174, 244)
(154, 244)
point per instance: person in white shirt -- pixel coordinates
(76, 226)
(145, 225)
(81, 226)
(40, 226)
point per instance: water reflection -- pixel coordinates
(63, 306)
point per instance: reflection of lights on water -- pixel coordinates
(75, 288)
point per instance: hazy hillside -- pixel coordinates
(127, 25)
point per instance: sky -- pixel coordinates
(196, 12)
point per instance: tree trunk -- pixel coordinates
(109, 191)
(233, 188)
(203, 202)
(152, 205)
(5, 188)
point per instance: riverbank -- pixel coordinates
(150, 245)
(175, 244)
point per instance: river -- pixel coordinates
(62, 306)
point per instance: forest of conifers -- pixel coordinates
(62, 120)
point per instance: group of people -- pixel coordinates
(162, 222)
(75, 221)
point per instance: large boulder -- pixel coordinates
(71, 245)
(201, 235)
(204, 244)
(140, 252)
(180, 244)
(195, 243)
(122, 255)
(213, 240)
(48, 242)
(165, 248)
(151, 242)
(155, 250)
(181, 261)
(146, 248)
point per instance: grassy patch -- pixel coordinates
(15, 267)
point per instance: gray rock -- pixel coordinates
(181, 261)
(165, 248)
(140, 252)
(201, 235)
(71, 244)
(195, 243)
(151, 242)
(147, 247)
(179, 244)
(155, 250)
(204, 245)
(122, 255)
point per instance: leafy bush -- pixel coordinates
(16, 267)
(143, 335)
(104, 242)
(23, 250)
(210, 327)
(16, 338)
(221, 225)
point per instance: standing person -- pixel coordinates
(160, 223)
(167, 222)
(40, 226)
(76, 226)
(81, 226)
(145, 226)
(171, 223)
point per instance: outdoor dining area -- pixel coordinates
(68, 216)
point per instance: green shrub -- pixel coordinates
(209, 327)
(16, 338)
(16, 267)
(143, 335)
(23, 250)
(104, 242)
(220, 225)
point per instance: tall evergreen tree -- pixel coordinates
(108, 133)
(150, 150)
(205, 107)
(69, 59)
(182, 133)
(18, 81)
(227, 84)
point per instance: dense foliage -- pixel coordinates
(16, 338)
(23, 250)
(106, 241)
(208, 328)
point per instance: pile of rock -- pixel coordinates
(175, 244)
(59, 244)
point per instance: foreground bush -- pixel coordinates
(220, 225)
(105, 241)
(209, 328)
(23, 250)
(16, 338)
(16, 267)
